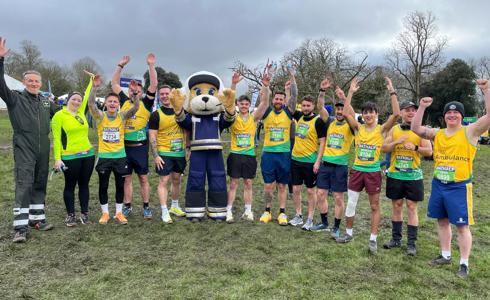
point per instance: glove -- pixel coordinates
(228, 100)
(177, 100)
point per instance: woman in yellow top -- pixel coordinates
(73, 153)
(111, 156)
(451, 201)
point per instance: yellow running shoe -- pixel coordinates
(120, 218)
(176, 211)
(282, 219)
(104, 218)
(266, 217)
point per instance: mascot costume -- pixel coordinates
(205, 111)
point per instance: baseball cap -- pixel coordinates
(407, 104)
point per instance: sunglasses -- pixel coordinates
(79, 119)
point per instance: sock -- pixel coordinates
(373, 237)
(349, 231)
(164, 209)
(309, 220)
(175, 203)
(127, 204)
(146, 205)
(463, 261)
(337, 223)
(282, 210)
(248, 207)
(324, 218)
(268, 209)
(229, 208)
(446, 254)
(104, 208)
(119, 207)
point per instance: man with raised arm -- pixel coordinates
(30, 115)
(135, 136)
(405, 179)
(241, 162)
(451, 200)
(366, 171)
(111, 153)
(276, 156)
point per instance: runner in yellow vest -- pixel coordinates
(405, 179)
(241, 162)
(451, 200)
(135, 136)
(111, 153)
(366, 171)
(168, 146)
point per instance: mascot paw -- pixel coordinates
(177, 99)
(228, 100)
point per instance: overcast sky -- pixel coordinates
(189, 36)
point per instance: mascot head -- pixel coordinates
(202, 93)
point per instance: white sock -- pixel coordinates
(349, 231)
(373, 237)
(104, 208)
(446, 254)
(463, 261)
(248, 207)
(119, 207)
(175, 203)
(164, 209)
(228, 208)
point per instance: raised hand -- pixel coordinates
(92, 75)
(266, 79)
(3, 48)
(236, 78)
(389, 85)
(124, 60)
(354, 85)
(425, 102)
(287, 86)
(133, 86)
(482, 84)
(325, 84)
(150, 59)
(340, 93)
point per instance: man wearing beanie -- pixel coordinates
(451, 196)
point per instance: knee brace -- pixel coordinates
(353, 197)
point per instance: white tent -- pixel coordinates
(13, 84)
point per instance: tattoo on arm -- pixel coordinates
(92, 106)
(132, 110)
(293, 98)
(154, 147)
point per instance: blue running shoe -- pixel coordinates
(147, 215)
(319, 227)
(335, 233)
(127, 210)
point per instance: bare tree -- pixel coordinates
(417, 51)
(27, 58)
(80, 79)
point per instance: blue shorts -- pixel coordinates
(275, 167)
(332, 177)
(137, 159)
(453, 201)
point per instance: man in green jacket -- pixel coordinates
(30, 115)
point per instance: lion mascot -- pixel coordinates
(205, 111)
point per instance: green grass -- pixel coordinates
(149, 260)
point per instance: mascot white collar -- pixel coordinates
(203, 89)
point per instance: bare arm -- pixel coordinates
(320, 104)
(133, 109)
(92, 106)
(294, 92)
(416, 126)
(116, 77)
(150, 60)
(425, 148)
(319, 155)
(482, 125)
(264, 98)
(349, 114)
(395, 108)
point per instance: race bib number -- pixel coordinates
(111, 135)
(335, 141)
(404, 163)
(176, 145)
(444, 173)
(366, 152)
(302, 130)
(243, 140)
(277, 134)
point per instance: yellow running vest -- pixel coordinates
(135, 127)
(337, 144)
(276, 131)
(405, 164)
(243, 136)
(170, 137)
(453, 156)
(111, 137)
(368, 149)
(305, 147)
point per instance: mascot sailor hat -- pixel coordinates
(203, 89)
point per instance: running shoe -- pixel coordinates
(119, 218)
(147, 215)
(282, 219)
(127, 210)
(440, 260)
(463, 271)
(248, 216)
(266, 217)
(20, 236)
(373, 246)
(296, 221)
(411, 250)
(84, 219)
(71, 220)
(229, 217)
(308, 225)
(319, 227)
(104, 218)
(335, 233)
(392, 244)
(344, 239)
(166, 218)
(41, 225)
(176, 211)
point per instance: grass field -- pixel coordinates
(149, 260)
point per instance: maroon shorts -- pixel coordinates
(359, 180)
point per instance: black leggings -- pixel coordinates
(79, 172)
(104, 186)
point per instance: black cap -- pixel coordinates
(339, 103)
(407, 104)
(454, 105)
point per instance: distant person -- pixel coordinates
(30, 115)
(451, 200)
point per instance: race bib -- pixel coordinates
(404, 163)
(366, 152)
(176, 145)
(302, 130)
(111, 135)
(243, 140)
(335, 141)
(444, 173)
(277, 134)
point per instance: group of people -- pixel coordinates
(318, 157)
